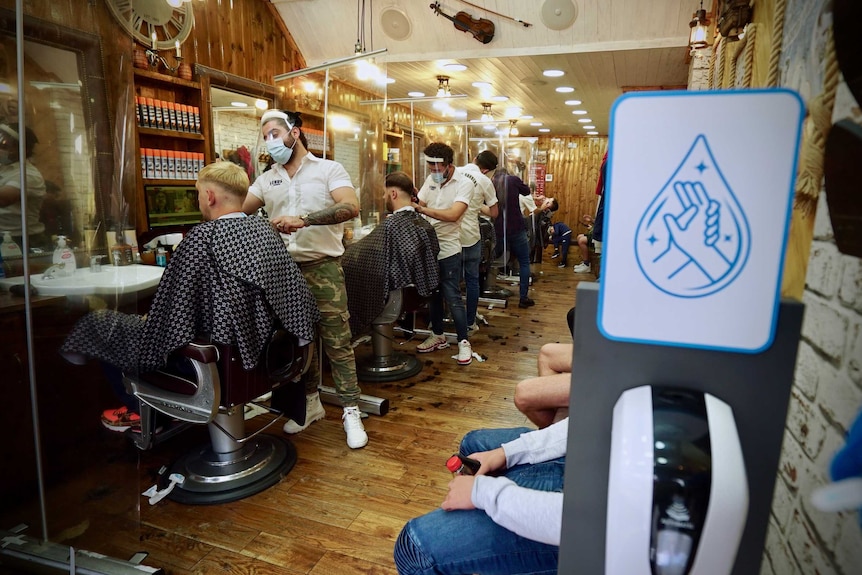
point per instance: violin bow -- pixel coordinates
(519, 21)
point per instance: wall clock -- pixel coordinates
(140, 18)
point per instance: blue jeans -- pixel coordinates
(472, 257)
(519, 246)
(467, 541)
(450, 289)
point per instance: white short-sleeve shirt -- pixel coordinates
(309, 190)
(483, 194)
(457, 189)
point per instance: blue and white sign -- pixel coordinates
(698, 198)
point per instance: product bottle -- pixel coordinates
(460, 465)
(64, 256)
(9, 249)
(121, 252)
(161, 257)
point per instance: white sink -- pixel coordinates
(118, 280)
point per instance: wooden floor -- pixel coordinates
(339, 510)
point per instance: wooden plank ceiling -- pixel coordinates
(612, 46)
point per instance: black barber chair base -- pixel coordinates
(212, 478)
(395, 367)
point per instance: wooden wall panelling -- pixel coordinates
(575, 172)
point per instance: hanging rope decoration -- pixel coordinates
(748, 55)
(777, 40)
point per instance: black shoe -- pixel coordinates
(526, 302)
(562, 265)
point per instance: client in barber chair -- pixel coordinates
(399, 253)
(231, 278)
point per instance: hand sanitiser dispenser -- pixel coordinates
(677, 488)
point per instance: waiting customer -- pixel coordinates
(505, 520)
(308, 199)
(230, 279)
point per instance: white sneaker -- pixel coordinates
(433, 343)
(582, 268)
(465, 352)
(313, 412)
(474, 327)
(356, 436)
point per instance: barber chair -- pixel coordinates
(386, 364)
(488, 266)
(209, 386)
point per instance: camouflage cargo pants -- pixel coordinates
(325, 279)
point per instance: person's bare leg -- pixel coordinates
(541, 398)
(582, 245)
(555, 358)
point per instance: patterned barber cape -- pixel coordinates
(399, 253)
(231, 279)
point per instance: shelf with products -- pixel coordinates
(392, 151)
(172, 120)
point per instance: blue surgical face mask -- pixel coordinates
(278, 151)
(439, 177)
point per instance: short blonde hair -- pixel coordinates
(229, 176)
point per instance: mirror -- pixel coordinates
(237, 105)
(71, 160)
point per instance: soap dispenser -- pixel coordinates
(64, 256)
(9, 249)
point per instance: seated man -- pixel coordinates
(230, 279)
(561, 236)
(400, 252)
(505, 524)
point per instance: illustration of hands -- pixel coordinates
(695, 231)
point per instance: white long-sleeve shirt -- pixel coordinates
(535, 515)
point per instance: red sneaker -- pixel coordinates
(120, 419)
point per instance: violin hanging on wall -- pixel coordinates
(481, 29)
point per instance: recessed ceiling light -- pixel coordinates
(454, 67)
(261, 104)
(592, 133)
(526, 117)
(500, 98)
(573, 102)
(553, 73)
(564, 89)
(589, 127)
(584, 120)
(535, 123)
(389, 80)
(481, 85)
(579, 112)
(544, 130)
(416, 94)
(239, 104)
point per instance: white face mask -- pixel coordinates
(278, 151)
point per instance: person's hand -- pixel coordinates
(459, 495)
(696, 230)
(491, 461)
(287, 224)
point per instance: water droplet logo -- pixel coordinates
(693, 240)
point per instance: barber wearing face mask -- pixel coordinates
(443, 200)
(308, 199)
(10, 187)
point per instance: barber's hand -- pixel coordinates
(491, 461)
(460, 489)
(287, 224)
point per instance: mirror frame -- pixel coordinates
(94, 99)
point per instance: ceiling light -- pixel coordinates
(239, 104)
(443, 87)
(513, 128)
(481, 85)
(513, 112)
(564, 89)
(500, 98)
(486, 112)
(699, 29)
(526, 117)
(454, 67)
(553, 73)
(579, 112)
(592, 133)
(535, 124)
(416, 94)
(544, 130)
(589, 127)
(573, 102)
(584, 120)
(261, 104)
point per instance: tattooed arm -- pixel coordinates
(346, 207)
